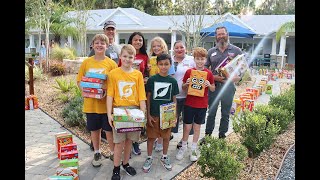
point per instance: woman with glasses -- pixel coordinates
(182, 62)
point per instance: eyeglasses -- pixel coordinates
(175, 66)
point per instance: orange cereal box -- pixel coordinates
(196, 85)
(61, 139)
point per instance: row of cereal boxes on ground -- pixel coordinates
(67, 152)
(276, 74)
(246, 99)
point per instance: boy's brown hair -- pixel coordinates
(101, 37)
(129, 48)
(199, 52)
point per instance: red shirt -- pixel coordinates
(195, 101)
(143, 64)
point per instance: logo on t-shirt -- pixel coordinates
(126, 90)
(162, 91)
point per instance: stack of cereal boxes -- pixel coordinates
(68, 155)
(128, 120)
(92, 85)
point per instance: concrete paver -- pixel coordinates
(41, 158)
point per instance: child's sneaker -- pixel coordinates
(96, 162)
(194, 155)
(115, 175)
(129, 170)
(147, 165)
(180, 153)
(159, 147)
(135, 148)
(165, 161)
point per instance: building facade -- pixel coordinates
(130, 20)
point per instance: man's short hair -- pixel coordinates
(109, 24)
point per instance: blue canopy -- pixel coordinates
(233, 29)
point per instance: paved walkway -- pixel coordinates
(41, 159)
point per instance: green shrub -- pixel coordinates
(37, 73)
(57, 68)
(76, 92)
(285, 100)
(72, 113)
(64, 85)
(64, 97)
(62, 53)
(275, 115)
(254, 132)
(221, 160)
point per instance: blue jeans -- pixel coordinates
(180, 111)
(226, 99)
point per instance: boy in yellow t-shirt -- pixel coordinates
(125, 89)
(95, 109)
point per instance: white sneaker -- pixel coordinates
(194, 155)
(181, 152)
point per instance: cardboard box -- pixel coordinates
(68, 147)
(269, 89)
(69, 163)
(197, 80)
(94, 80)
(128, 115)
(154, 68)
(68, 171)
(119, 125)
(96, 75)
(93, 90)
(237, 66)
(69, 155)
(92, 95)
(167, 115)
(61, 139)
(132, 129)
(247, 104)
(90, 85)
(60, 178)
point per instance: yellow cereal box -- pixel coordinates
(197, 80)
(154, 68)
(167, 115)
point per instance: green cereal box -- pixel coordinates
(269, 89)
(69, 163)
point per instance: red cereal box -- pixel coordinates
(62, 139)
(93, 90)
(90, 79)
(69, 155)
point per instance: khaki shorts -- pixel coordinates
(155, 131)
(120, 137)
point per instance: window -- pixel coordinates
(122, 41)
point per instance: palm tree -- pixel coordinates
(284, 28)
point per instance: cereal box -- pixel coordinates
(93, 90)
(69, 162)
(197, 80)
(69, 155)
(92, 95)
(68, 171)
(90, 85)
(94, 80)
(237, 66)
(60, 178)
(167, 115)
(269, 89)
(154, 68)
(131, 129)
(96, 75)
(247, 104)
(62, 138)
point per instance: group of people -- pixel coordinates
(146, 88)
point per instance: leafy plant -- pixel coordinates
(274, 115)
(285, 100)
(64, 85)
(57, 68)
(221, 160)
(62, 53)
(64, 97)
(72, 113)
(255, 134)
(37, 73)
